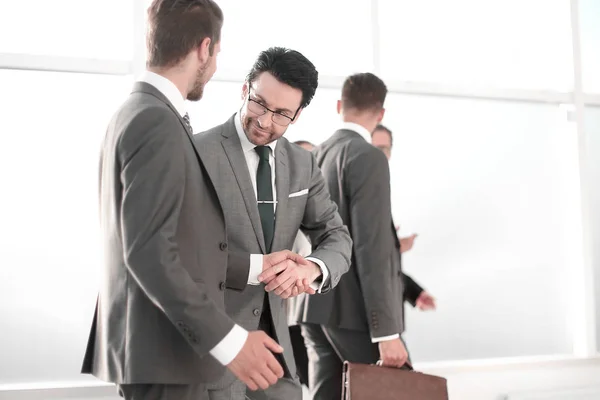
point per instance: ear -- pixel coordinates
(245, 90)
(204, 50)
(339, 106)
(297, 116)
(381, 114)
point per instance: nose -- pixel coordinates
(264, 121)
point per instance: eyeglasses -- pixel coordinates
(260, 109)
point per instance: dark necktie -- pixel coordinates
(186, 119)
(264, 191)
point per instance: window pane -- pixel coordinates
(50, 235)
(592, 126)
(253, 26)
(589, 15)
(508, 44)
(74, 28)
(492, 190)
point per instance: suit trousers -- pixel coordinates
(300, 356)
(327, 349)
(287, 388)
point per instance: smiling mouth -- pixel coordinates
(261, 131)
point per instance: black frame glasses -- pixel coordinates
(260, 109)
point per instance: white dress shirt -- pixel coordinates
(362, 131)
(252, 159)
(229, 347)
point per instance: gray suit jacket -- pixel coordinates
(160, 309)
(369, 297)
(314, 213)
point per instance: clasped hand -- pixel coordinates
(288, 274)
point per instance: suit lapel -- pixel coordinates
(282, 186)
(237, 160)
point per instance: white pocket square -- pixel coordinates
(300, 193)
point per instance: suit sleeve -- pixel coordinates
(153, 177)
(412, 290)
(323, 225)
(238, 269)
(367, 187)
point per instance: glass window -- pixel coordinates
(50, 248)
(73, 28)
(589, 15)
(492, 189)
(507, 44)
(592, 126)
(253, 26)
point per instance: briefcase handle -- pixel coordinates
(407, 365)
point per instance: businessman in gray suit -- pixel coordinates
(160, 329)
(361, 319)
(269, 189)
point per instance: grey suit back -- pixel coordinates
(369, 297)
(164, 259)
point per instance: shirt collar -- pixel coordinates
(361, 130)
(246, 144)
(167, 88)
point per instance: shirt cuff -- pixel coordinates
(256, 264)
(230, 346)
(385, 338)
(318, 286)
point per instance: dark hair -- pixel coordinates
(363, 92)
(303, 142)
(384, 128)
(289, 67)
(176, 27)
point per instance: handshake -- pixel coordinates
(288, 274)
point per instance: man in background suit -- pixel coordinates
(414, 294)
(361, 319)
(160, 311)
(269, 189)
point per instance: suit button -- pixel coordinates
(222, 286)
(223, 246)
(256, 312)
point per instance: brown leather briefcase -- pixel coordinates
(371, 382)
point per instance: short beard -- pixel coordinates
(198, 90)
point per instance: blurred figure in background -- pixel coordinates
(306, 145)
(361, 319)
(414, 294)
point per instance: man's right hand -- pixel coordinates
(255, 365)
(393, 353)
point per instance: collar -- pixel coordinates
(246, 144)
(361, 130)
(167, 88)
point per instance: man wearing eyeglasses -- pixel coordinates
(269, 189)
